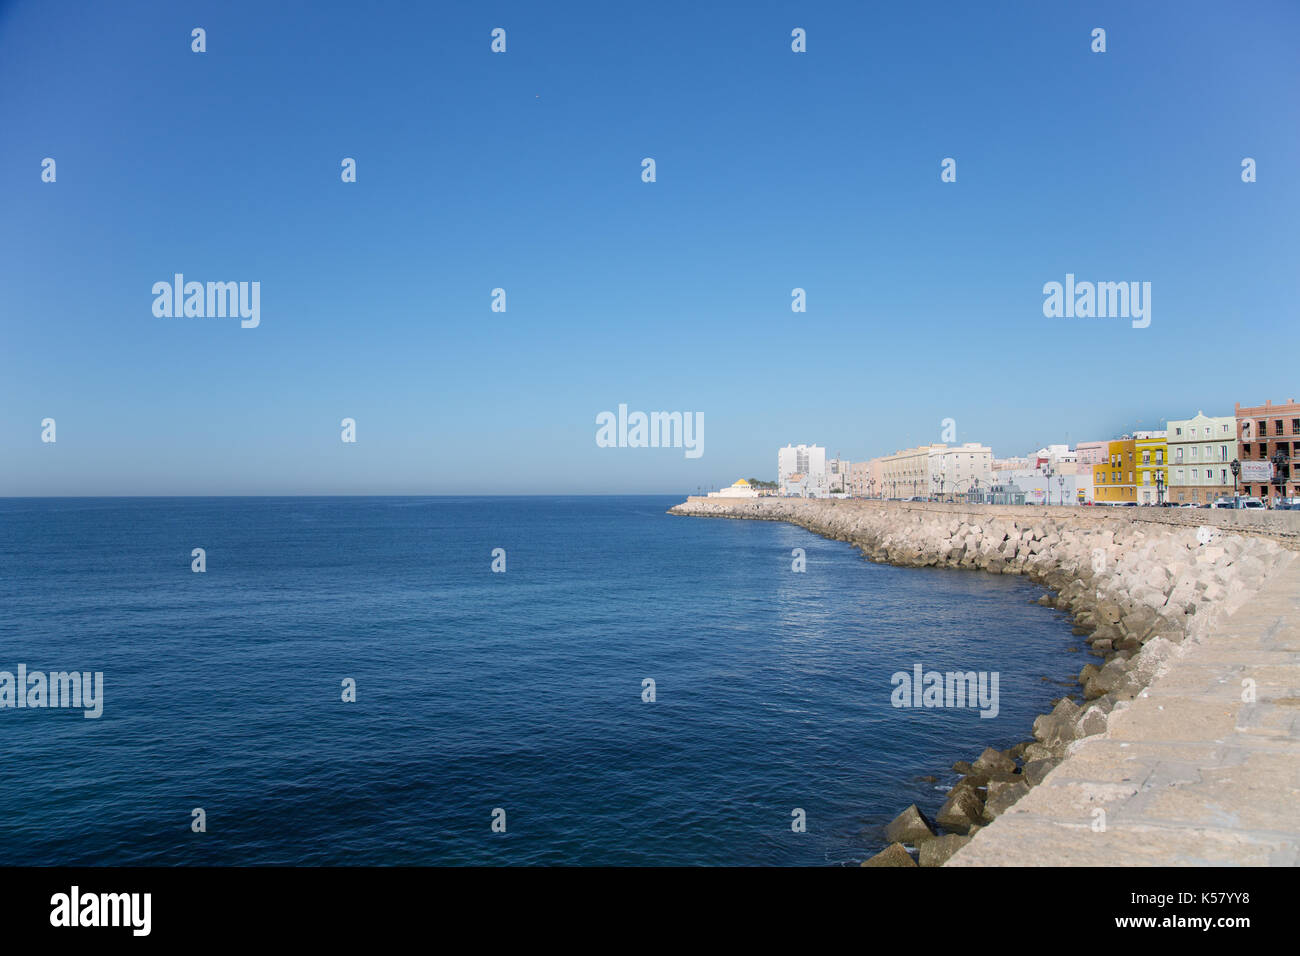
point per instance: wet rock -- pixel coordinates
(993, 760)
(911, 826)
(961, 810)
(893, 855)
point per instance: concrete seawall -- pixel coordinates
(1181, 745)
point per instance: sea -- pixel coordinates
(485, 681)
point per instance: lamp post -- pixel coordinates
(1048, 472)
(1236, 470)
(1160, 488)
(1279, 482)
(1060, 483)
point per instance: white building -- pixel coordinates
(837, 475)
(807, 461)
(1067, 484)
(960, 469)
(741, 489)
(1056, 455)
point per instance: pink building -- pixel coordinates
(1092, 452)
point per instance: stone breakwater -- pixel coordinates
(1145, 588)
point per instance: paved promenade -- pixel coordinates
(1189, 774)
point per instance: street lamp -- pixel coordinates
(1060, 483)
(1160, 488)
(1279, 462)
(1236, 470)
(1048, 472)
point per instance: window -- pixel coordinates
(1179, 456)
(1295, 426)
(1277, 426)
(1178, 431)
(1196, 450)
(1146, 458)
(1160, 456)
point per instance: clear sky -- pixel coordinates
(522, 170)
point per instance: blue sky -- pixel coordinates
(775, 170)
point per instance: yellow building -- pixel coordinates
(1152, 464)
(1115, 480)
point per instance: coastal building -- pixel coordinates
(1200, 454)
(1055, 455)
(808, 462)
(837, 476)
(1084, 493)
(1151, 466)
(1115, 479)
(866, 478)
(1047, 485)
(1264, 431)
(906, 473)
(740, 489)
(1091, 452)
(960, 469)
(1009, 464)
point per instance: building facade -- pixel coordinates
(906, 473)
(740, 489)
(808, 462)
(1115, 479)
(1264, 431)
(1152, 471)
(837, 475)
(1091, 452)
(865, 478)
(960, 469)
(1200, 453)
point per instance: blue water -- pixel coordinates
(478, 690)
